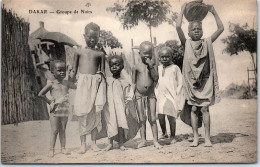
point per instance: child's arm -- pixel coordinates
(220, 29)
(44, 91)
(153, 70)
(134, 78)
(74, 70)
(102, 65)
(129, 94)
(179, 80)
(178, 25)
(71, 85)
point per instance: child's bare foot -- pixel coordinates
(190, 138)
(157, 145)
(142, 144)
(65, 151)
(208, 143)
(95, 148)
(82, 149)
(51, 153)
(173, 140)
(164, 136)
(109, 147)
(122, 148)
(195, 143)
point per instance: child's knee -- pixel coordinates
(152, 120)
(171, 119)
(143, 118)
(55, 131)
(194, 109)
(161, 116)
(204, 109)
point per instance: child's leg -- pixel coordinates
(206, 121)
(142, 119)
(54, 132)
(121, 137)
(152, 120)
(82, 149)
(163, 125)
(94, 146)
(62, 134)
(194, 124)
(172, 122)
(110, 144)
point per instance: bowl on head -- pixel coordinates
(195, 11)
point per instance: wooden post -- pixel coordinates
(248, 76)
(155, 57)
(133, 53)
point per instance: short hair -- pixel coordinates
(168, 49)
(120, 58)
(53, 64)
(92, 26)
(141, 47)
(192, 22)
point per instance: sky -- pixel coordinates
(231, 69)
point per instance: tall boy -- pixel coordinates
(199, 72)
(90, 93)
(145, 77)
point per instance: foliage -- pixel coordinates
(178, 51)
(107, 39)
(152, 13)
(239, 91)
(241, 39)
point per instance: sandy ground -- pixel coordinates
(233, 134)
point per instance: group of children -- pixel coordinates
(125, 106)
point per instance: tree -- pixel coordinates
(152, 13)
(178, 51)
(242, 39)
(107, 39)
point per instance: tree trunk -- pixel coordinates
(151, 38)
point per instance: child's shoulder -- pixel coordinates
(89, 51)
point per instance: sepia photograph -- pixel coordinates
(129, 82)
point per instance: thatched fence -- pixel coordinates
(19, 87)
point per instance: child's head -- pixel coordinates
(91, 35)
(116, 64)
(146, 50)
(195, 30)
(166, 56)
(58, 68)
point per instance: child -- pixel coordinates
(199, 72)
(59, 106)
(122, 123)
(168, 91)
(90, 93)
(145, 77)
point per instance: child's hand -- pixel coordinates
(53, 106)
(148, 61)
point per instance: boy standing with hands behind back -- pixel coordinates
(199, 72)
(90, 93)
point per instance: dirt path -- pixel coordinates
(234, 138)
